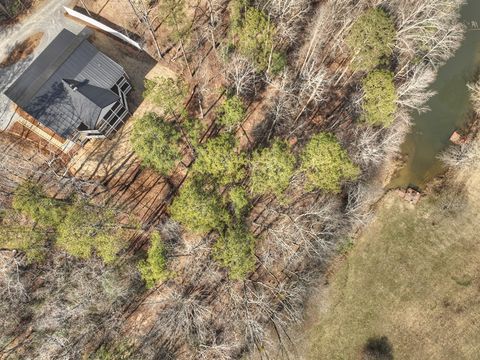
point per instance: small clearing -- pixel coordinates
(410, 287)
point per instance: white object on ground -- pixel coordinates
(101, 26)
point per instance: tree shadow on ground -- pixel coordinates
(377, 348)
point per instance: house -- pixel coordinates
(71, 92)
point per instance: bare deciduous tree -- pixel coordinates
(142, 9)
(74, 302)
(11, 286)
(309, 231)
(462, 156)
(475, 96)
(281, 109)
(186, 315)
(242, 75)
(428, 29)
(361, 197)
(413, 93)
(288, 16)
(369, 152)
(314, 81)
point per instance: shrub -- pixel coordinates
(239, 200)
(371, 39)
(326, 163)
(200, 210)
(220, 161)
(167, 93)
(235, 250)
(156, 142)
(154, 268)
(379, 99)
(277, 63)
(120, 351)
(232, 112)
(378, 348)
(31, 241)
(86, 229)
(30, 199)
(272, 169)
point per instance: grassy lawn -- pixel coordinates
(413, 278)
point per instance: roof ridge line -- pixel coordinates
(77, 89)
(52, 68)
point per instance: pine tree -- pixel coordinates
(326, 163)
(199, 209)
(156, 142)
(272, 169)
(371, 39)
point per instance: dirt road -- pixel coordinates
(47, 18)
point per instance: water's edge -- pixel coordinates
(449, 109)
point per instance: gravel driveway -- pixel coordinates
(49, 19)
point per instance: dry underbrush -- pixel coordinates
(200, 313)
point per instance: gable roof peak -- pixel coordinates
(73, 84)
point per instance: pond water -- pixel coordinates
(449, 109)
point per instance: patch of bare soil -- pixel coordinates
(117, 14)
(22, 50)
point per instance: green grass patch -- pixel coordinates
(403, 287)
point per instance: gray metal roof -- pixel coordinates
(89, 100)
(67, 84)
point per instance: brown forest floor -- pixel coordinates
(111, 163)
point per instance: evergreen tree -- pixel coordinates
(193, 129)
(254, 36)
(272, 169)
(232, 112)
(326, 163)
(235, 250)
(156, 142)
(154, 268)
(239, 200)
(379, 99)
(18, 234)
(167, 93)
(30, 199)
(198, 209)
(219, 160)
(86, 229)
(371, 39)
(74, 225)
